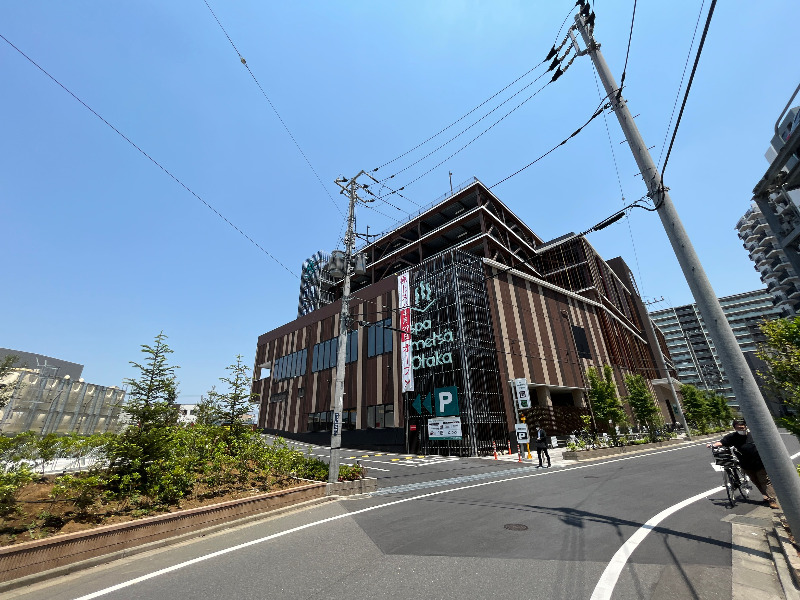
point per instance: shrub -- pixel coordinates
(11, 482)
(83, 490)
(351, 472)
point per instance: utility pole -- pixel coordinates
(773, 452)
(350, 187)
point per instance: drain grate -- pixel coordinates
(516, 527)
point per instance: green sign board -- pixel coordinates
(442, 403)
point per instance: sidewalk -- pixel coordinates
(759, 567)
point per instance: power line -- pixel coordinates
(275, 110)
(477, 137)
(680, 86)
(463, 131)
(689, 85)
(553, 149)
(150, 158)
(462, 117)
(628, 51)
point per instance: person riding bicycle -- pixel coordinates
(742, 440)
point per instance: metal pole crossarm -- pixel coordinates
(771, 448)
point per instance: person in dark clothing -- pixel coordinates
(541, 445)
(742, 440)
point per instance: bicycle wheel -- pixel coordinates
(745, 486)
(726, 478)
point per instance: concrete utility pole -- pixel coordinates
(350, 187)
(770, 446)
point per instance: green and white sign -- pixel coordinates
(523, 398)
(446, 401)
(444, 429)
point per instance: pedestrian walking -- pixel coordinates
(541, 445)
(742, 440)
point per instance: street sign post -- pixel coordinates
(523, 436)
(523, 397)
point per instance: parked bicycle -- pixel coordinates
(732, 475)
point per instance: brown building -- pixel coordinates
(491, 303)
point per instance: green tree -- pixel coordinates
(234, 404)
(719, 412)
(6, 382)
(145, 445)
(643, 404)
(207, 412)
(695, 407)
(604, 400)
(781, 352)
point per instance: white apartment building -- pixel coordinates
(690, 344)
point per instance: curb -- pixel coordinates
(582, 455)
(26, 563)
(788, 554)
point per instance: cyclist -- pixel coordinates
(742, 440)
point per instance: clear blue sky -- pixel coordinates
(102, 250)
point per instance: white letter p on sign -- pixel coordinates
(445, 398)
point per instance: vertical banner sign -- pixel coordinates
(404, 295)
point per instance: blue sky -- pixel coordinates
(103, 250)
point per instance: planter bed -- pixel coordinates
(615, 450)
(62, 552)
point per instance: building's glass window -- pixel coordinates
(581, 342)
(380, 415)
(326, 353)
(291, 365)
(349, 418)
(379, 338)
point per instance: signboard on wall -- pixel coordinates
(404, 304)
(447, 428)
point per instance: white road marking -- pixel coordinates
(605, 586)
(224, 551)
(793, 456)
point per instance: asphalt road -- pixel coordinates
(464, 528)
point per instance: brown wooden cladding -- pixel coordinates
(533, 332)
(368, 381)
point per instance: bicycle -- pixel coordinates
(732, 474)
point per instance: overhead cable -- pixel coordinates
(463, 131)
(628, 51)
(275, 110)
(462, 117)
(689, 85)
(680, 86)
(150, 158)
(596, 114)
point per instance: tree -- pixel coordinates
(145, 444)
(719, 411)
(695, 407)
(234, 404)
(781, 352)
(643, 404)
(604, 400)
(6, 387)
(207, 412)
